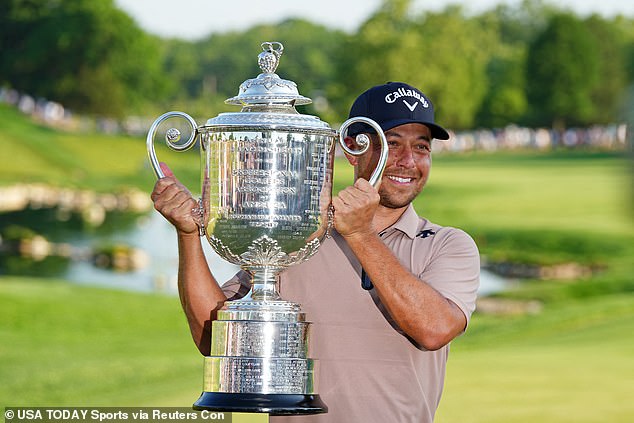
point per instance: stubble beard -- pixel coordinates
(392, 201)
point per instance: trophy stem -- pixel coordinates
(265, 284)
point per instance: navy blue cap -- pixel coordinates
(394, 104)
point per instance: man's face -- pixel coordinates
(408, 164)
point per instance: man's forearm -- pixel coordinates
(199, 292)
(419, 310)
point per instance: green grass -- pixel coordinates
(571, 363)
(34, 153)
(67, 345)
(566, 190)
(535, 207)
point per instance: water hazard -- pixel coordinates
(112, 241)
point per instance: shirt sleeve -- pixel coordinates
(453, 269)
(238, 286)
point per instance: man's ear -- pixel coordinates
(353, 160)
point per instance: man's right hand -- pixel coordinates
(175, 202)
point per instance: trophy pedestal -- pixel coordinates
(273, 404)
(259, 361)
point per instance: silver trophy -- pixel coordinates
(265, 206)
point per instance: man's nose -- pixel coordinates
(405, 157)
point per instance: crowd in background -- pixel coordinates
(613, 136)
(56, 115)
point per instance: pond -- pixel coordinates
(73, 250)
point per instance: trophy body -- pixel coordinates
(263, 214)
(266, 177)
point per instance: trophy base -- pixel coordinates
(273, 404)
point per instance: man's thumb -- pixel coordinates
(166, 170)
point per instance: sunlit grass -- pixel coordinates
(63, 344)
(66, 345)
(571, 363)
(567, 191)
(33, 153)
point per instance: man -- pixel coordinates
(387, 292)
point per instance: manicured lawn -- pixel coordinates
(66, 345)
(571, 363)
(63, 344)
(32, 153)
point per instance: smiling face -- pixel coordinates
(408, 164)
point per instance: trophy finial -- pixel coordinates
(268, 89)
(270, 57)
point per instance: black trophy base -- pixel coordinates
(273, 404)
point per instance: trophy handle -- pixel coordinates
(364, 142)
(172, 136)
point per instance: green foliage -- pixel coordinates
(397, 46)
(519, 25)
(562, 72)
(608, 94)
(375, 52)
(505, 100)
(213, 68)
(474, 68)
(87, 55)
(527, 63)
(16, 233)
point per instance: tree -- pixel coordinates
(519, 24)
(223, 61)
(375, 54)
(86, 54)
(505, 101)
(610, 90)
(444, 54)
(562, 73)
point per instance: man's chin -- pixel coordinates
(392, 204)
(393, 200)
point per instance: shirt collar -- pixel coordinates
(407, 223)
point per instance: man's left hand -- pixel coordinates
(355, 207)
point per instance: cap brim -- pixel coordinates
(437, 131)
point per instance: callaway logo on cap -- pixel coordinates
(394, 104)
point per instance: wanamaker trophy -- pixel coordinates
(266, 175)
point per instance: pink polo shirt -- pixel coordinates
(369, 371)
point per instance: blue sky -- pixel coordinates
(194, 19)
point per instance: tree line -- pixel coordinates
(530, 64)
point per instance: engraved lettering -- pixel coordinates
(264, 173)
(265, 204)
(268, 149)
(262, 181)
(264, 224)
(275, 217)
(266, 190)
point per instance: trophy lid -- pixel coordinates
(268, 88)
(268, 99)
